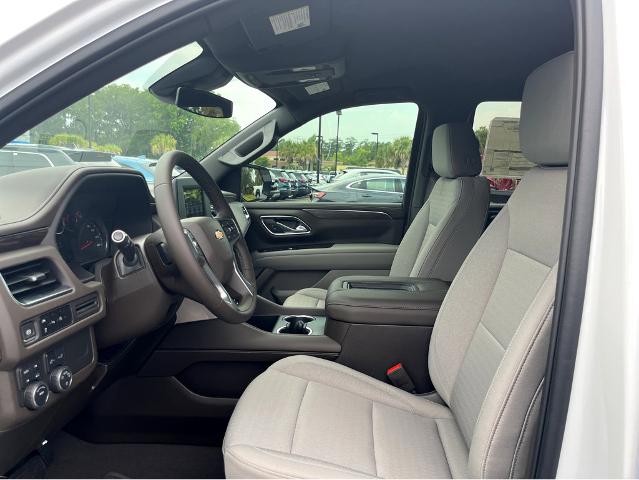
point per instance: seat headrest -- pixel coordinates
(456, 151)
(546, 112)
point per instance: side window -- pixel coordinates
(380, 184)
(496, 125)
(348, 146)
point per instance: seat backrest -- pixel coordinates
(489, 346)
(453, 217)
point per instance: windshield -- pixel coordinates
(123, 124)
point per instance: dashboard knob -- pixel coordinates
(61, 379)
(36, 395)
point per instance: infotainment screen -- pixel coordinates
(194, 205)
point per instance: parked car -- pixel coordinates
(379, 189)
(286, 186)
(259, 183)
(90, 157)
(145, 167)
(303, 183)
(17, 157)
(294, 182)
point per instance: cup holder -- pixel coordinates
(296, 325)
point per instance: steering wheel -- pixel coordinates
(210, 252)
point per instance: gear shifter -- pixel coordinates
(296, 325)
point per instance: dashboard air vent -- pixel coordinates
(86, 306)
(33, 282)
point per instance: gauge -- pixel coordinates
(90, 243)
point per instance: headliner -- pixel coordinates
(447, 53)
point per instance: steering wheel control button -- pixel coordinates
(28, 331)
(230, 228)
(61, 379)
(36, 395)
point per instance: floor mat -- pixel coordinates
(74, 458)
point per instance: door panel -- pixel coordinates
(315, 228)
(329, 224)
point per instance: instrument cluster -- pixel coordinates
(82, 237)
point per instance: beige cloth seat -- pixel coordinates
(306, 417)
(448, 224)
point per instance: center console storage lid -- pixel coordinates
(385, 300)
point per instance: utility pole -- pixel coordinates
(376, 144)
(339, 114)
(319, 148)
(90, 120)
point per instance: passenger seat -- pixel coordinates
(449, 223)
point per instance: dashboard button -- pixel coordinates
(28, 331)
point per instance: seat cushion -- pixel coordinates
(307, 417)
(307, 298)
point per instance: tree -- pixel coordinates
(262, 161)
(400, 153)
(162, 143)
(482, 135)
(67, 140)
(110, 148)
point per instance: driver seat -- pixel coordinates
(307, 417)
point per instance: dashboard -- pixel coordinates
(63, 299)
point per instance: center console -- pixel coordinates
(378, 322)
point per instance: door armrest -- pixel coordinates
(355, 256)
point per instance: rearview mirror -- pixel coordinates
(203, 103)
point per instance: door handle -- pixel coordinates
(298, 229)
(284, 225)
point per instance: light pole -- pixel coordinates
(90, 119)
(319, 148)
(339, 114)
(376, 144)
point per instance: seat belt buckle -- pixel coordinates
(399, 377)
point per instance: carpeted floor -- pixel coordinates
(74, 458)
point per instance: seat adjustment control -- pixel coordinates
(36, 395)
(61, 379)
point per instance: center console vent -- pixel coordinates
(33, 282)
(86, 306)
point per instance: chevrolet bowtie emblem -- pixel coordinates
(219, 234)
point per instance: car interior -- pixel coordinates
(185, 333)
